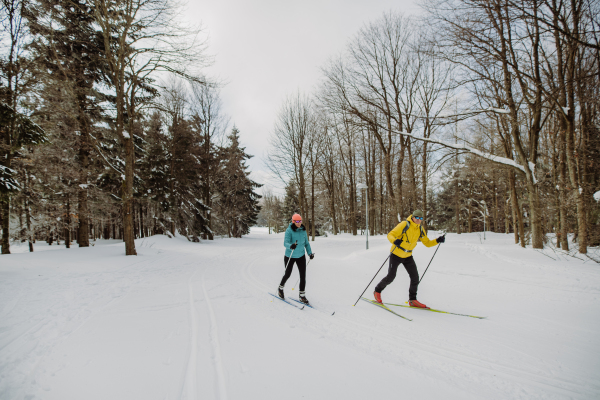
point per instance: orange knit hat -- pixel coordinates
(296, 217)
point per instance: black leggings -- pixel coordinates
(411, 268)
(301, 263)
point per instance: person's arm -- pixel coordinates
(396, 233)
(287, 241)
(427, 242)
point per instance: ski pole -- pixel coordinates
(299, 271)
(395, 247)
(429, 263)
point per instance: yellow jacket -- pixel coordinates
(409, 238)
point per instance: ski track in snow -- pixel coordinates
(190, 387)
(57, 324)
(216, 347)
(462, 355)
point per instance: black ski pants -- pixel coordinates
(301, 263)
(411, 268)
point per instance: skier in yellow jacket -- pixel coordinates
(404, 238)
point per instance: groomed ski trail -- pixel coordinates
(190, 387)
(215, 345)
(214, 326)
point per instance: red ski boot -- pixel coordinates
(415, 303)
(377, 297)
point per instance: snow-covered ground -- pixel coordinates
(194, 321)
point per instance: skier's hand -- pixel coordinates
(312, 256)
(441, 239)
(398, 242)
(293, 246)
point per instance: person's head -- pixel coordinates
(297, 220)
(417, 217)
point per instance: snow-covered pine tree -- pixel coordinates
(68, 50)
(291, 203)
(154, 169)
(237, 204)
(16, 82)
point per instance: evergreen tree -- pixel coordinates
(68, 50)
(291, 203)
(185, 180)
(17, 130)
(237, 203)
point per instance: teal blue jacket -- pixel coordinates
(293, 234)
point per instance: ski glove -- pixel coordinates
(312, 256)
(293, 246)
(398, 242)
(441, 239)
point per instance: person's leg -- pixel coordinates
(393, 268)
(301, 263)
(411, 268)
(288, 270)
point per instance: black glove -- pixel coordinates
(398, 242)
(441, 239)
(293, 246)
(312, 256)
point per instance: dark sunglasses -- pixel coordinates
(421, 218)
(297, 221)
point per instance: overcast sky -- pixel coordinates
(267, 49)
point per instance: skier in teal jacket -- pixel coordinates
(295, 243)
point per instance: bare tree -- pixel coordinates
(289, 154)
(371, 85)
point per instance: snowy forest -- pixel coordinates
(109, 128)
(484, 114)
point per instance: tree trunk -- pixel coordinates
(312, 203)
(424, 180)
(457, 202)
(68, 223)
(142, 228)
(413, 177)
(332, 204)
(400, 194)
(517, 215)
(83, 236)
(128, 198)
(28, 222)
(535, 216)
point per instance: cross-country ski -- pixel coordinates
(311, 306)
(287, 301)
(433, 310)
(384, 307)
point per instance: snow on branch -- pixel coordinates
(488, 156)
(461, 114)
(8, 183)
